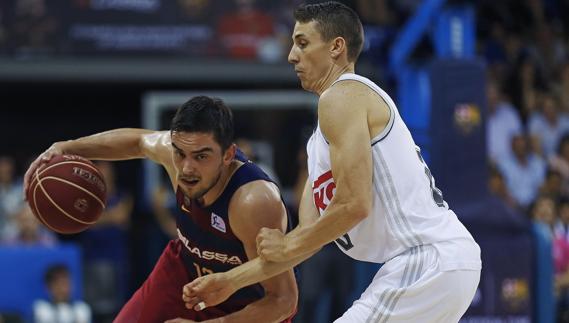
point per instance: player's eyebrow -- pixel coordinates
(202, 150)
(299, 35)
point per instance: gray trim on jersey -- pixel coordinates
(388, 194)
(390, 297)
(382, 193)
(392, 113)
(388, 126)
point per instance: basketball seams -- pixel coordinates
(57, 205)
(82, 163)
(38, 213)
(76, 186)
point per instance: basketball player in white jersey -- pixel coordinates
(368, 190)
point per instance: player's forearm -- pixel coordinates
(258, 270)
(117, 144)
(271, 308)
(338, 219)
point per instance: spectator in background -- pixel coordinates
(3, 35)
(29, 231)
(197, 17)
(561, 260)
(548, 125)
(561, 87)
(552, 185)
(34, 31)
(196, 11)
(562, 224)
(105, 250)
(497, 187)
(524, 171)
(548, 49)
(163, 207)
(503, 123)
(250, 150)
(60, 308)
(525, 82)
(245, 30)
(560, 163)
(11, 199)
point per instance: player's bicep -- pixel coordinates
(258, 205)
(343, 121)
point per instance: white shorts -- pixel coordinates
(411, 288)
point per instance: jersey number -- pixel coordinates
(437, 194)
(201, 271)
(345, 242)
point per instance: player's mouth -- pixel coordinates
(190, 182)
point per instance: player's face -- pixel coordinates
(310, 56)
(199, 161)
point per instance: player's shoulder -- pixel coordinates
(345, 91)
(255, 205)
(255, 194)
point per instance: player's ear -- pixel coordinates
(337, 46)
(229, 154)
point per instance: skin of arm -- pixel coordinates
(344, 118)
(117, 144)
(216, 288)
(256, 205)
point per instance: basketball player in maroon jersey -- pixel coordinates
(225, 200)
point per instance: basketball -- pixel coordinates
(68, 194)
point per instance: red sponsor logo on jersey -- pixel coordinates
(323, 190)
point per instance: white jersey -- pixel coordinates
(407, 211)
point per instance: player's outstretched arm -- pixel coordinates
(117, 144)
(216, 288)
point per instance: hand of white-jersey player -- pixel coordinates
(208, 290)
(271, 245)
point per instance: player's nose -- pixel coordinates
(292, 56)
(188, 168)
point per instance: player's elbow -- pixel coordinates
(286, 304)
(289, 304)
(359, 209)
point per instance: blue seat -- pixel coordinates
(22, 275)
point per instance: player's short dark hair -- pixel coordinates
(334, 19)
(55, 271)
(206, 115)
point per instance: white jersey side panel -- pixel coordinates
(407, 208)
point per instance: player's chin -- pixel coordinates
(193, 192)
(305, 85)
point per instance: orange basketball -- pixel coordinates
(68, 194)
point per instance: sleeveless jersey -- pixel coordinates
(209, 242)
(408, 210)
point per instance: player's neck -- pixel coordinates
(213, 194)
(333, 74)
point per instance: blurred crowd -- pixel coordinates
(525, 45)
